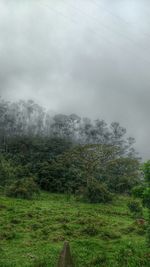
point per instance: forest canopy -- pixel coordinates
(64, 153)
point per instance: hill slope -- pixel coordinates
(32, 233)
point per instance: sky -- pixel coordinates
(89, 57)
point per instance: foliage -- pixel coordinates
(135, 207)
(65, 152)
(32, 150)
(27, 118)
(138, 191)
(60, 166)
(97, 193)
(130, 254)
(7, 171)
(146, 170)
(146, 195)
(23, 188)
(74, 169)
(122, 174)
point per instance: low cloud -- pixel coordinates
(87, 57)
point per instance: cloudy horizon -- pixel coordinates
(87, 57)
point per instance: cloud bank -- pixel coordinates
(86, 57)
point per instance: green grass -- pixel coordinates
(32, 233)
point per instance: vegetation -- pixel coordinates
(28, 119)
(64, 153)
(32, 232)
(136, 208)
(70, 178)
(146, 195)
(97, 193)
(23, 188)
(63, 167)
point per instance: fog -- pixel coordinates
(87, 57)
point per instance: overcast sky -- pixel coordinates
(90, 57)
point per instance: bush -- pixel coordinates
(146, 197)
(138, 191)
(97, 193)
(24, 188)
(135, 207)
(99, 260)
(148, 236)
(90, 230)
(7, 171)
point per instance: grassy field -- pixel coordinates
(32, 233)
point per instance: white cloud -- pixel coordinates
(87, 57)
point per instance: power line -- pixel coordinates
(104, 25)
(75, 21)
(99, 5)
(72, 20)
(108, 42)
(91, 30)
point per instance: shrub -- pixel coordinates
(24, 188)
(97, 193)
(90, 230)
(7, 171)
(124, 254)
(138, 191)
(135, 207)
(148, 236)
(146, 197)
(131, 254)
(99, 260)
(110, 234)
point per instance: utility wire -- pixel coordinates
(99, 5)
(96, 32)
(103, 25)
(72, 19)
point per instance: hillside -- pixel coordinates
(32, 232)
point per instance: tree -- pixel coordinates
(146, 195)
(122, 174)
(64, 126)
(23, 188)
(7, 171)
(27, 118)
(78, 166)
(92, 158)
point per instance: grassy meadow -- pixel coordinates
(32, 232)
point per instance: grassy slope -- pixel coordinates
(32, 233)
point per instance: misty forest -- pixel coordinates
(64, 177)
(74, 133)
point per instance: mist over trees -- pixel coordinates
(27, 118)
(64, 154)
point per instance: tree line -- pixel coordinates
(64, 153)
(27, 118)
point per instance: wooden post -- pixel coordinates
(65, 258)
